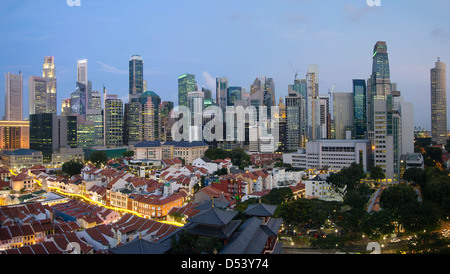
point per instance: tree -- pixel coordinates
(278, 196)
(398, 197)
(377, 173)
(72, 168)
(98, 158)
(187, 243)
(347, 178)
(378, 223)
(424, 216)
(129, 153)
(330, 244)
(415, 175)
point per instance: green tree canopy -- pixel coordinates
(347, 178)
(98, 158)
(72, 167)
(415, 175)
(377, 173)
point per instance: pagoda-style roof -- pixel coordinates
(140, 246)
(213, 217)
(260, 210)
(209, 204)
(221, 232)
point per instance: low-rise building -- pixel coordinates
(331, 154)
(21, 158)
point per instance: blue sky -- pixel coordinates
(240, 40)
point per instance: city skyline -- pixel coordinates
(218, 40)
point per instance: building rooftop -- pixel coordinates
(21, 152)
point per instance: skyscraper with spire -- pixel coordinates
(384, 122)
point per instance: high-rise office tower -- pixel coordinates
(196, 104)
(48, 73)
(343, 116)
(359, 110)
(80, 97)
(186, 83)
(113, 128)
(49, 132)
(439, 103)
(384, 123)
(136, 77)
(166, 121)
(313, 104)
(66, 107)
(14, 135)
(42, 90)
(14, 97)
(325, 117)
(151, 123)
(133, 123)
(406, 110)
(282, 120)
(262, 94)
(234, 94)
(37, 95)
(296, 115)
(222, 92)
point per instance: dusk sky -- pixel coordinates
(240, 40)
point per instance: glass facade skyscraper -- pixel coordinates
(359, 110)
(136, 77)
(186, 83)
(384, 122)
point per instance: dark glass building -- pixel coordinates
(186, 83)
(136, 76)
(359, 110)
(49, 132)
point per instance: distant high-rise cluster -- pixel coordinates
(373, 111)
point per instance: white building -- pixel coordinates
(317, 187)
(334, 154)
(406, 110)
(207, 163)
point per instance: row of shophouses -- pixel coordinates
(173, 186)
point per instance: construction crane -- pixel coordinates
(295, 72)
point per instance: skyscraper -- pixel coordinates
(80, 97)
(113, 112)
(296, 115)
(222, 92)
(343, 116)
(136, 77)
(14, 97)
(313, 104)
(186, 83)
(48, 73)
(151, 123)
(359, 110)
(234, 94)
(384, 123)
(133, 123)
(439, 103)
(49, 132)
(37, 95)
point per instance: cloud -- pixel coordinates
(440, 34)
(110, 69)
(209, 80)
